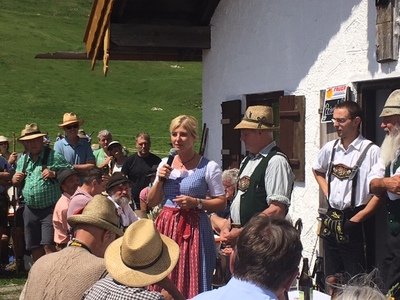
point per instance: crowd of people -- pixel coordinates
(79, 211)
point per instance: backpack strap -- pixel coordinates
(45, 158)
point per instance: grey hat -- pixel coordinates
(63, 174)
(392, 105)
(116, 178)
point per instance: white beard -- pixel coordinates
(121, 200)
(390, 145)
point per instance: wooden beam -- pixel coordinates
(131, 35)
(156, 56)
(207, 11)
(102, 26)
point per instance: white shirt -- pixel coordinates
(340, 190)
(378, 171)
(128, 216)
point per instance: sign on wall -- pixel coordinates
(333, 96)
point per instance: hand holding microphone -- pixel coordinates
(171, 157)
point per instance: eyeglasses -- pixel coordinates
(3, 144)
(340, 120)
(71, 126)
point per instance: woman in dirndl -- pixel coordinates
(182, 187)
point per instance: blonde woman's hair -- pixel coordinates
(189, 123)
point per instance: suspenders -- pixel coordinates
(353, 176)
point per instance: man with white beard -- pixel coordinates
(119, 191)
(346, 189)
(384, 180)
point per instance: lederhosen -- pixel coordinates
(253, 200)
(334, 218)
(344, 249)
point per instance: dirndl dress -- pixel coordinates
(191, 230)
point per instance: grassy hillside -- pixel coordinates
(36, 90)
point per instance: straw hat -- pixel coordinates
(258, 117)
(392, 105)
(70, 118)
(142, 256)
(100, 212)
(3, 139)
(30, 132)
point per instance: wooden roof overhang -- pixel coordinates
(151, 30)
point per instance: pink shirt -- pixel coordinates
(60, 219)
(78, 200)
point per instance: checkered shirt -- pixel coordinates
(108, 289)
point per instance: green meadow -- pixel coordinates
(134, 97)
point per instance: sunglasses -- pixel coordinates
(71, 126)
(3, 144)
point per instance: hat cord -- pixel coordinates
(260, 121)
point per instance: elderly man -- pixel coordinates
(384, 181)
(69, 182)
(137, 166)
(265, 261)
(119, 191)
(36, 176)
(229, 180)
(67, 274)
(75, 150)
(265, 177)
(93, 184)
(140, 258)
(102, 155)
(348, 197)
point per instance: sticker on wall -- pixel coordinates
(333, 96)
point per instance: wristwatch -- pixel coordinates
(200, 204)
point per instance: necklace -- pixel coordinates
(184, 163)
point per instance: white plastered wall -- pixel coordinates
(300, 47)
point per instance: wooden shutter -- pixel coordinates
(292, 132)
(231, 148)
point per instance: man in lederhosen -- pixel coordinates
(346, 190)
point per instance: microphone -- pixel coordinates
(171, 157)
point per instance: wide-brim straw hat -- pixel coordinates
(258, 117)
(392, 105)
(30, 132)
(142, 256)
(100, 212)
(70, 118)
(3, 139)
